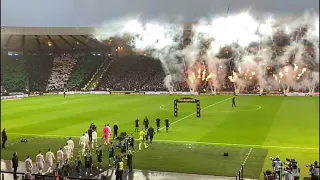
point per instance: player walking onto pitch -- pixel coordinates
(158, 124)
(83, 143)
(167, 124)
(94, 139)
(49, 159)
(99, 153)
(146, 122)
(28, 165)
(234, 101)
(88, 163)
(111, 154)
(78, 166)
(142, 140)
(106, 133)
(66, 152)
(137, 125)
(60, 157)
(40, 162)
(71, 146)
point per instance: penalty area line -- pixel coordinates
(196, 112)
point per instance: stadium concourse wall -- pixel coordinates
(13, 96)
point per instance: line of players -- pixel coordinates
(65, 154)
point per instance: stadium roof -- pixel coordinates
(42, 39)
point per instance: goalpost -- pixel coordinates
(186, 100)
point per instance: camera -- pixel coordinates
(310, 165)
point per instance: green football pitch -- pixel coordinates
(258, 128)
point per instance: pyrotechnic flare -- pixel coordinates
(242, 43)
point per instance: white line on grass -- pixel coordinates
(182, 142)
(245, 160)
(196, 112)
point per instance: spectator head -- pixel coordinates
(27, 176)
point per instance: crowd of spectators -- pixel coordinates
(61, 71)
(13, 73)
(39, 68)
(87, 65)
(130, 73)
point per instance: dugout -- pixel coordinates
(187, 100)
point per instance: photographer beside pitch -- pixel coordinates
(314, 170)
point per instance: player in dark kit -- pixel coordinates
(90, 134)
(151, 134)
(88, 163)
(234, 102)
(78, 166)
(167, 124)
(111, 153)
(115, 131)
(158, 124)
(99, 157)
(131, 142)
(64, 93)
(146, 123)
(137, 125)
(66, 170)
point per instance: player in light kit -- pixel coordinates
(83, 143)
(40, 162)
(60, 157)
(66, 152)
(49, 159)
(94, 139)
(28, 165)
(71, 146)
(87, 136)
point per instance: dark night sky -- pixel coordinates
(86, 13)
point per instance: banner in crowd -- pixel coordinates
(86, 92)
(170, 93)
(126, 92)
(14, 97)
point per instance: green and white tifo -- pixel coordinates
(258, 128)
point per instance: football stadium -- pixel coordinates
(240, 106)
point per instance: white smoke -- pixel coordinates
(293, 65)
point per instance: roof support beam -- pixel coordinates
(92, 40)
(8, 41)
(64, 40)
(23, 41)
(55, 45)
(81, 42)
(38, 42)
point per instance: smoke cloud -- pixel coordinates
(265, 53)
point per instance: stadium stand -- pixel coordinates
(38, 67)
(13, 73)
(85, 68)
(62, 69)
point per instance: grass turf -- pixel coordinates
(284, 126)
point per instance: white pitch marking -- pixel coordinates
(186, 142)
(196, 112)
(245, 160)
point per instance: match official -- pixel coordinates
(78, 166)
(151, 133)
(115, 131)
(136, 129)
(129, 160)
(167, 124)
(146, 122)
(90, 130)
(158, 124)
(234, 101)
(15, 164)
(4, 138)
